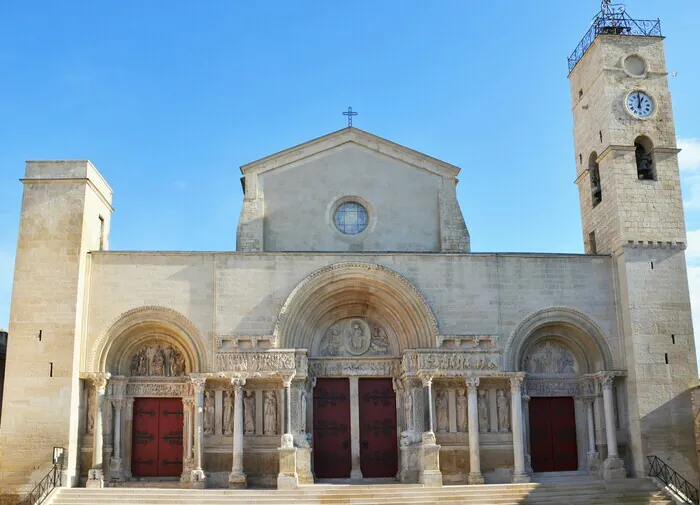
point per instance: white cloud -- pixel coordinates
(689, 157)
(693, 250)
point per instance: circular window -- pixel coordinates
(635, 65)
(351, 218)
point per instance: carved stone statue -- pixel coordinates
(90, 407)
(139, 363)
(228, 412)
(380, 341)
(483, 412)
(461, 411)
(270, 410)
(441, 411)
(408, 407)
(177, 363)
(550, 358)
(209, 413)
(302, 420)
(249, 412)
(503, 411)
(158, 363)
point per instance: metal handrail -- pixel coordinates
(50, 481)
(670, 477)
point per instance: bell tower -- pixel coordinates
(631, 208)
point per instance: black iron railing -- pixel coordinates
(613, 20)
(670, 477)
(50, 481)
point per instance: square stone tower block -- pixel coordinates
(66, 209)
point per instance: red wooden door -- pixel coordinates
(170, 425)
(378, 447)
(553, 434)
(332, 428)
(157, 437)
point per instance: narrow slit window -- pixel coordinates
(102, 233)
(594, 174)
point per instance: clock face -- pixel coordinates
(640, 104)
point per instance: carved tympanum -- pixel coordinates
(158, 360)
(548, 358)
(354, 337)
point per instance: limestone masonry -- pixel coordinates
(353, 335)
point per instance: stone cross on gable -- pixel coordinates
(350, 114)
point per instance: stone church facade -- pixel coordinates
(353, 335)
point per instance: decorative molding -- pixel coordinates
(641, 244)
(252, 362)
(160, 388)
(284, 314)
(556, 315)
(449, 363)
(353, 367)
(243, 342)
(467, 341)
(131, 317)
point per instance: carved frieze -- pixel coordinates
(550, 357)
(158, 389)
(348, 367)
(354, 337)
(450, 363)
(257, 362)
(158, 360)
(553, 387)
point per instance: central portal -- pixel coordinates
(157, 437)
(553, 434)
(333, 444)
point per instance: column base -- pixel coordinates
(287, 477)
(237, 479)
(520, 478)
(197, 479)
(355, 473)
(614, 468)
(593, 462)
(116, 471)
(430, 474)
(95, 478)
(475, 478)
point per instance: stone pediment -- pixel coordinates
(355, 136)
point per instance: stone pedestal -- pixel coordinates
(287, 478)
(430, 474)
(198, 479)
(95, 478)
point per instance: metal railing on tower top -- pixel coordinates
(613, 20)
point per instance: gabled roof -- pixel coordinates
(355, 136)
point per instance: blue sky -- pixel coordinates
(168, 99)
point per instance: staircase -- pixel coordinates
(554, 491)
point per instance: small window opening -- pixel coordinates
(666, 357)
(580, 93)
(591, 243)
(580, 159)
(102, 233)
(594, 174)
(644, 157)
(652, 265)
(673, 339)
(600, 134)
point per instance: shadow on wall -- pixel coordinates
(3, 355)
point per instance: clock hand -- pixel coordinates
(639, 100)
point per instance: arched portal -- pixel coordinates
(560, 350)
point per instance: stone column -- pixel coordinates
(516, 411)
(430, 475)
(287, 477)
(197, 477)
(128, 436)
(187, 430)
(355, 471)
(115, 464)
(613, 467)
(96, 473)
(237, 477)
(475, 476)
(526, 421)
(592, 455)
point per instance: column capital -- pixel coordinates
(188, 402)
(98, 379)
(198, 383)
(119, 403)
(426, 376)
(516, 382)
(238, 382)
(606, 379)
(287, 377)
(472, 383)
